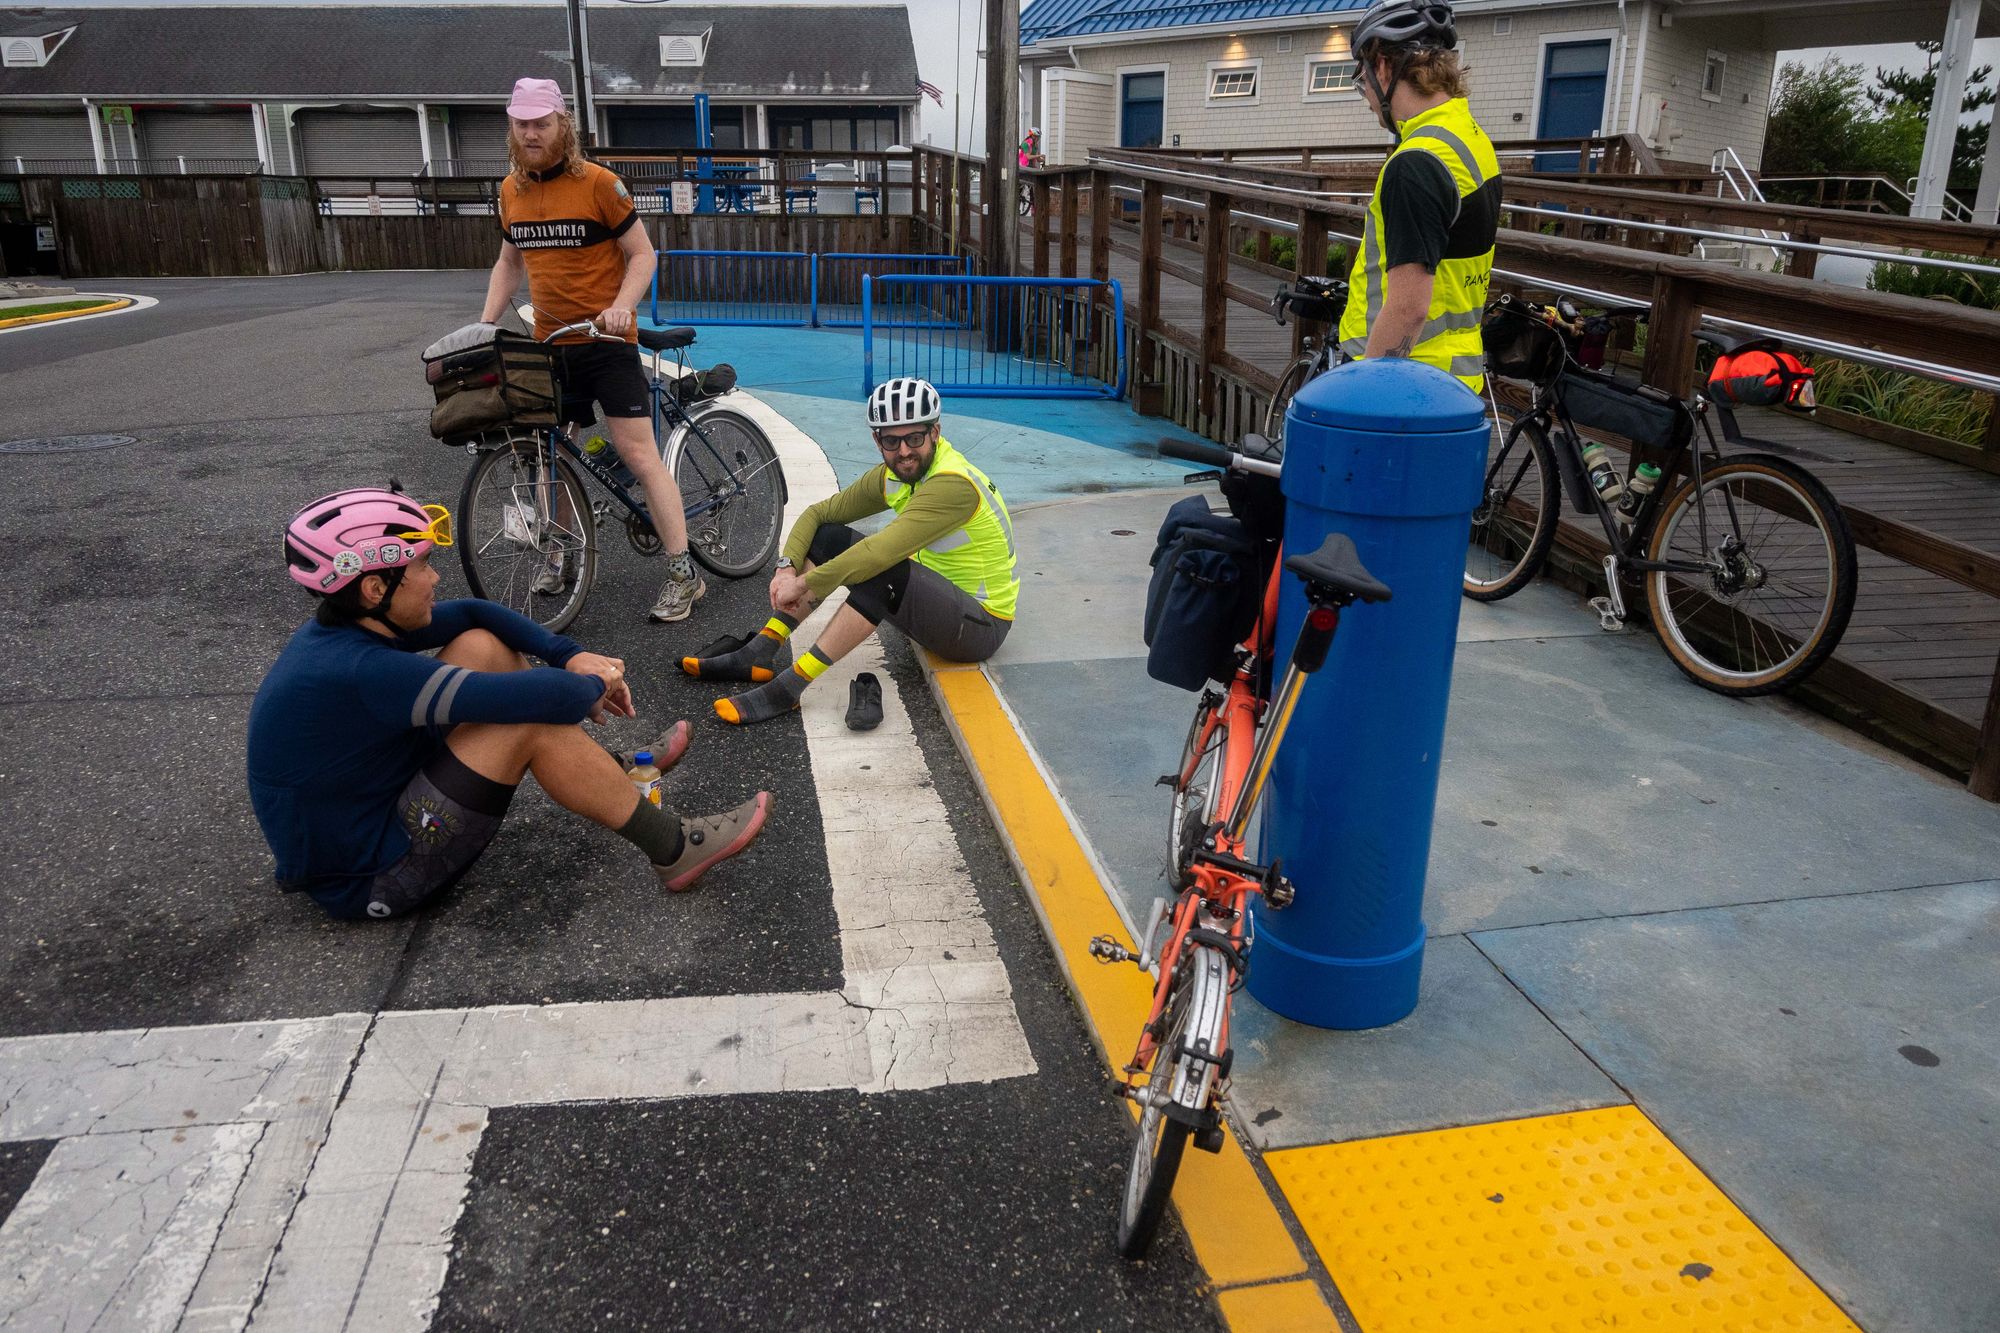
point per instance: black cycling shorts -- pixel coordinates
(451, 814)
(608, 374)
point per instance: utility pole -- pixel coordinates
(579, 64)
(1000, 234)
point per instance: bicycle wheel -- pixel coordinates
(518, 521)
(1274, 414)
(733, 489)
(1162, 1140)
(1196, 782)
(1515, 522)
(1779, 581)
(1024, 199)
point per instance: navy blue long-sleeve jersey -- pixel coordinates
(346, 717)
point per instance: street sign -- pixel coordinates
(45, 238)
(683, 196)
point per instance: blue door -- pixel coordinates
(1573, 81)
(1142, 114)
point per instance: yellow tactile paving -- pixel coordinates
(1588, 1221)
(1237, 1233)
(1281, 1307)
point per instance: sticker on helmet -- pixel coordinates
(346, 562)
(328, 580)
(368, 554)
(391, 554)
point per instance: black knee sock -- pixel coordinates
(654, 832)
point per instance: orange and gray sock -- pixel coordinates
(776, 696)
(756, 657)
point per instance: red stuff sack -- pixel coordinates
(1758, 377)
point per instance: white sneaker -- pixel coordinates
(678, 597)
(553, 580)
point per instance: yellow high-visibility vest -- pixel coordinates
(978, 557)
(1450, 338)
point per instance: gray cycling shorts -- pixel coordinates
(946, 619)
(451, 814)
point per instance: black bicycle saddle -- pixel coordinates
(1336, 564)
(665, 340)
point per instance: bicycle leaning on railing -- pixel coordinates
(1317, 301)
(1197, 943)
(1747, 562)
(524, 509)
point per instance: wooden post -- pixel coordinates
(1985, 780)
(1263, 245)
(1802, 263)
(1100, 233)
(1151, 200)
(1991, 442)
(1670, 337)
(1069, 203)
(1214, 305)
(1311, 263)
(964, 223)
(1041, 226)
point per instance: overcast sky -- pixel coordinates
(949, 32)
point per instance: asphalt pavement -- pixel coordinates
(139, 923)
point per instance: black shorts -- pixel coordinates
(607, 374)
(451, 813)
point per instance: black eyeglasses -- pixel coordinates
(895, 444)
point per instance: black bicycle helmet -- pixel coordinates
(1393, 29)
(1406, 23)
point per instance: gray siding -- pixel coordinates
(477, 135)
(360, 143)
(206, 135)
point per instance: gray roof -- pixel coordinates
(860, 52)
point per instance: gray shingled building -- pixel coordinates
(395, 90)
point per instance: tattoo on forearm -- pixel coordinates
(1403, 348)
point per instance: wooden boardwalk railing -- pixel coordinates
(1191, 364)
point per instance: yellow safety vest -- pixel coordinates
(1450, 338)
(979, 557)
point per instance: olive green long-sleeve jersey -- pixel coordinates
(943, 503)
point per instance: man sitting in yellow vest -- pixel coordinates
(1419, 282)
(942, 571)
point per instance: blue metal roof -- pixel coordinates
(1045, 19)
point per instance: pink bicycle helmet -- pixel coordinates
(338, 538)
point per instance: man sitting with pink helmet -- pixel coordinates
(379, 774)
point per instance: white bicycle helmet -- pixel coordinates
(905, 401)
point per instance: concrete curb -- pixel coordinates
(1240, 1231)
(54, 316)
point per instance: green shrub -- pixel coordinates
(1909, 401)
(1937, 284)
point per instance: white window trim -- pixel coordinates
(1720, 59)
(1337, 94)
(1118, 97)
(1253, 64)
(1564, 39)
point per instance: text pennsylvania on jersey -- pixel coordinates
(561, 234)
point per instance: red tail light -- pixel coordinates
(1322, 618)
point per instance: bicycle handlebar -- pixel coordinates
(588, 326)
(1216, 456)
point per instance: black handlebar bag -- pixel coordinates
(1202, 599)
(507, 382)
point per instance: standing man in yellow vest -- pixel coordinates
(1419, 283)
(942, 571)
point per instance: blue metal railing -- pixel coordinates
(791, 290)
(837, 280)
(996, 337)
(734, 287)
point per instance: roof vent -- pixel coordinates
(684, 49)
(31, 52)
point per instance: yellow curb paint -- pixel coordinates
(1236, 1230)
(1281, 1307)
(55, 315)
(1559, 1224)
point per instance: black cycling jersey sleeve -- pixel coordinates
(1419, 205)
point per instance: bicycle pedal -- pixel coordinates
(1608, 618)
(1107, 950)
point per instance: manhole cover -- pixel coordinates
(65, 444)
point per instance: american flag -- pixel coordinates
(932, 91)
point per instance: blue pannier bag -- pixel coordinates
(1202, 599)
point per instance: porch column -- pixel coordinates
(91, 114)
(424, 134)
(1954, 60)
(1986, 209)
(262, 129)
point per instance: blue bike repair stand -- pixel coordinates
(704, 166)
(1393, 454)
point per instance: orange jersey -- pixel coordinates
(567, 228)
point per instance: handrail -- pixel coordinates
(1949, 205)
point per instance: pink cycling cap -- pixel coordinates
(535, 98)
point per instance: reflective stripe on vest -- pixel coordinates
(1450, 338)
(979, 557)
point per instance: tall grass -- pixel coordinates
(1909, 401)
(1938, 284)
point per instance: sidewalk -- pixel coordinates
(1707, 1034)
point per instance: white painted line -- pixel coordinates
(925, 1001)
